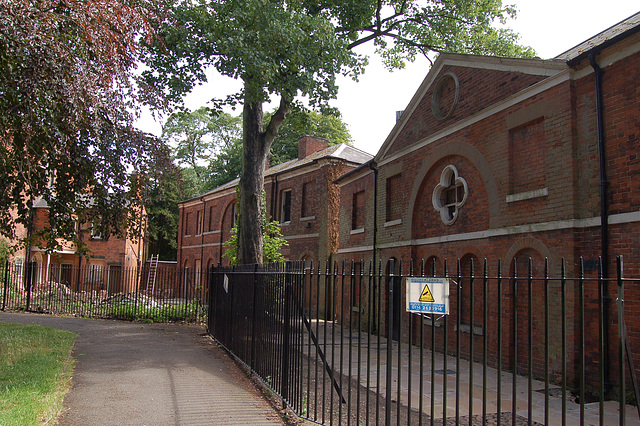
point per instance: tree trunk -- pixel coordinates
(254, 160)
(255, 153)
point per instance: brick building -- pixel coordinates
(109, 266)
(502, 159)
(299, 194)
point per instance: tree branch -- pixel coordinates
(276, 121)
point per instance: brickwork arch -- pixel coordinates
(523, 245)
(469, 153)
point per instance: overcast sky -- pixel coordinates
(369, 106)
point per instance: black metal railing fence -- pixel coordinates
(111, 291)
(333, 342)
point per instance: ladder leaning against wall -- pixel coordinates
(153, 270)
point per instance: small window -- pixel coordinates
(234, 214)
(211, 219)
(285, 208)
(18, 268)
(199, 222)
(96, 233)
(357, 211)
(307, 200)
(393, 200)
(187, 223)
(94, 274)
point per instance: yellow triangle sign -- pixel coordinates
(426, 295)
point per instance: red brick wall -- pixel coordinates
(546, 142)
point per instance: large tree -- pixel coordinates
(196, 138)
(68, 94)
(295, 48)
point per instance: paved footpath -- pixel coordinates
(152, 374)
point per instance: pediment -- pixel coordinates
(458, 87)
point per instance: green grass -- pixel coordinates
(35, 373)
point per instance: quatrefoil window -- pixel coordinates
(449, 195)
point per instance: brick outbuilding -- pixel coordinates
(503, 159)
(299, 194)
(109, 265)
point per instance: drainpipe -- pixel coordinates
(604, 212)
(204, 213)
(274, 197)
(372, 166)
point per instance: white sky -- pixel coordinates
(369, 106)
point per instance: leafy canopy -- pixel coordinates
(68, 93)
(296, 48)
(207, 144)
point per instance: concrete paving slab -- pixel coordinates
(152, 374)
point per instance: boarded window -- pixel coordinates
(357, 212)
(527, 157)
(307, 200)
(187, 223)
(211, 210)
(393, 200)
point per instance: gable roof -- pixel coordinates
(611, 35)
(342, 152)
(530, 71)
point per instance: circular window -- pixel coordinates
(445, 96)
(449, 195)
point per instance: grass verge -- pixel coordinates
(35, 373)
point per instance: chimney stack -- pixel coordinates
(308, 145)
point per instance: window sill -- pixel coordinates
(528, 195)
(307, 218)
(357, 231)
(466, 328)
(393, 223)
(429, 321)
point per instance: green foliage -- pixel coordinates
(196, 138)
(291, 49)
(5, 250)
(35, 373)
(217, 156)
(183, 312)
(272, 237)
(163, 190)
(303, 122)
(225, 166)
(297, 48)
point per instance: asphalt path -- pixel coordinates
(152, 374)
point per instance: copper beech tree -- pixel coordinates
(285, 50)
(68, 97)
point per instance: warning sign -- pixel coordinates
(428, 295)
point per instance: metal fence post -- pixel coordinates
(390, 278)
(29, 276)
(285, 343)
(253, 316)
(6, 284)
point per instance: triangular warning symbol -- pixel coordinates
(426, 295)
